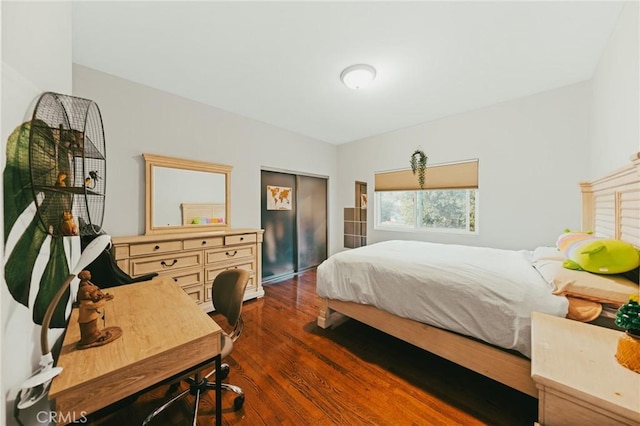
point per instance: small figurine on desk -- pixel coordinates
(68, 225)
(90, 305)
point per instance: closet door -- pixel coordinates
(278, 222)
(311, 208)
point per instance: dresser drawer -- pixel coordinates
(229, 254)
(208, 289)
(195, 292)
(186, 277)
(120, 251)
(211, 273)
(203, 243)
(163, 264)
(207, 292)
(146, 249)
(560, 409)
(124, 265)
(239, 239)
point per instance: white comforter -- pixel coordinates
(476, 291)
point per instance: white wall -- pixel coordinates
(615, 104)
(36, 57)
(532, 156)
(532, 151)
(140, 119)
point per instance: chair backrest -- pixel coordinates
(227, 293)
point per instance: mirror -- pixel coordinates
(185, 195)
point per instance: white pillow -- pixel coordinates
(547, 253)
(614, 289)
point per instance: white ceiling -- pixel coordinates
(279, 62)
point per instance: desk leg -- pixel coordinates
(219, 390)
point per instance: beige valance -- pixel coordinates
(459, 175)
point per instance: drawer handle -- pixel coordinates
(156, 248)
(175, 280)
(241, 238)
(231, 255)
(204, 243)
(164, 264)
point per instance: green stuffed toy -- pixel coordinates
(585, 252)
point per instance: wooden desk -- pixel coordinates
(579, 380)
(164, 334)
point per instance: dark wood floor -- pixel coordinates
(295, 373)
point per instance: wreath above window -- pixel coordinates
(419, 165)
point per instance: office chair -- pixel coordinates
(227, 293)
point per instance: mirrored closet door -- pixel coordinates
(294, 219)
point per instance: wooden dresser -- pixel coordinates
(193, 259)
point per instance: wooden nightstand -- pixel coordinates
(579, 380)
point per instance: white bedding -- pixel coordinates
(476, 291)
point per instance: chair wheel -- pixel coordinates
(237, 403)
(224, 371)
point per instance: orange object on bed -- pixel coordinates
(583, 310)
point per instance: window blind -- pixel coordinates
(459, 175)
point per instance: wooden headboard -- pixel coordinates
(192, 211)
(611, 204)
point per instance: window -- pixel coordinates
(451, 210)
(448, 202)
(395, 209)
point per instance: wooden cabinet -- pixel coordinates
(193, 259)
(577, 375)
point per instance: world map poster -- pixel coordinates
(278, 198)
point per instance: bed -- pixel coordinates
(610, 207)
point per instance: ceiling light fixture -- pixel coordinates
(358, 76)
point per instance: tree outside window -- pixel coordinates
(441, 210)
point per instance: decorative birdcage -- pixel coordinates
(67, 163)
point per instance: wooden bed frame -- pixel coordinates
(610, 207)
